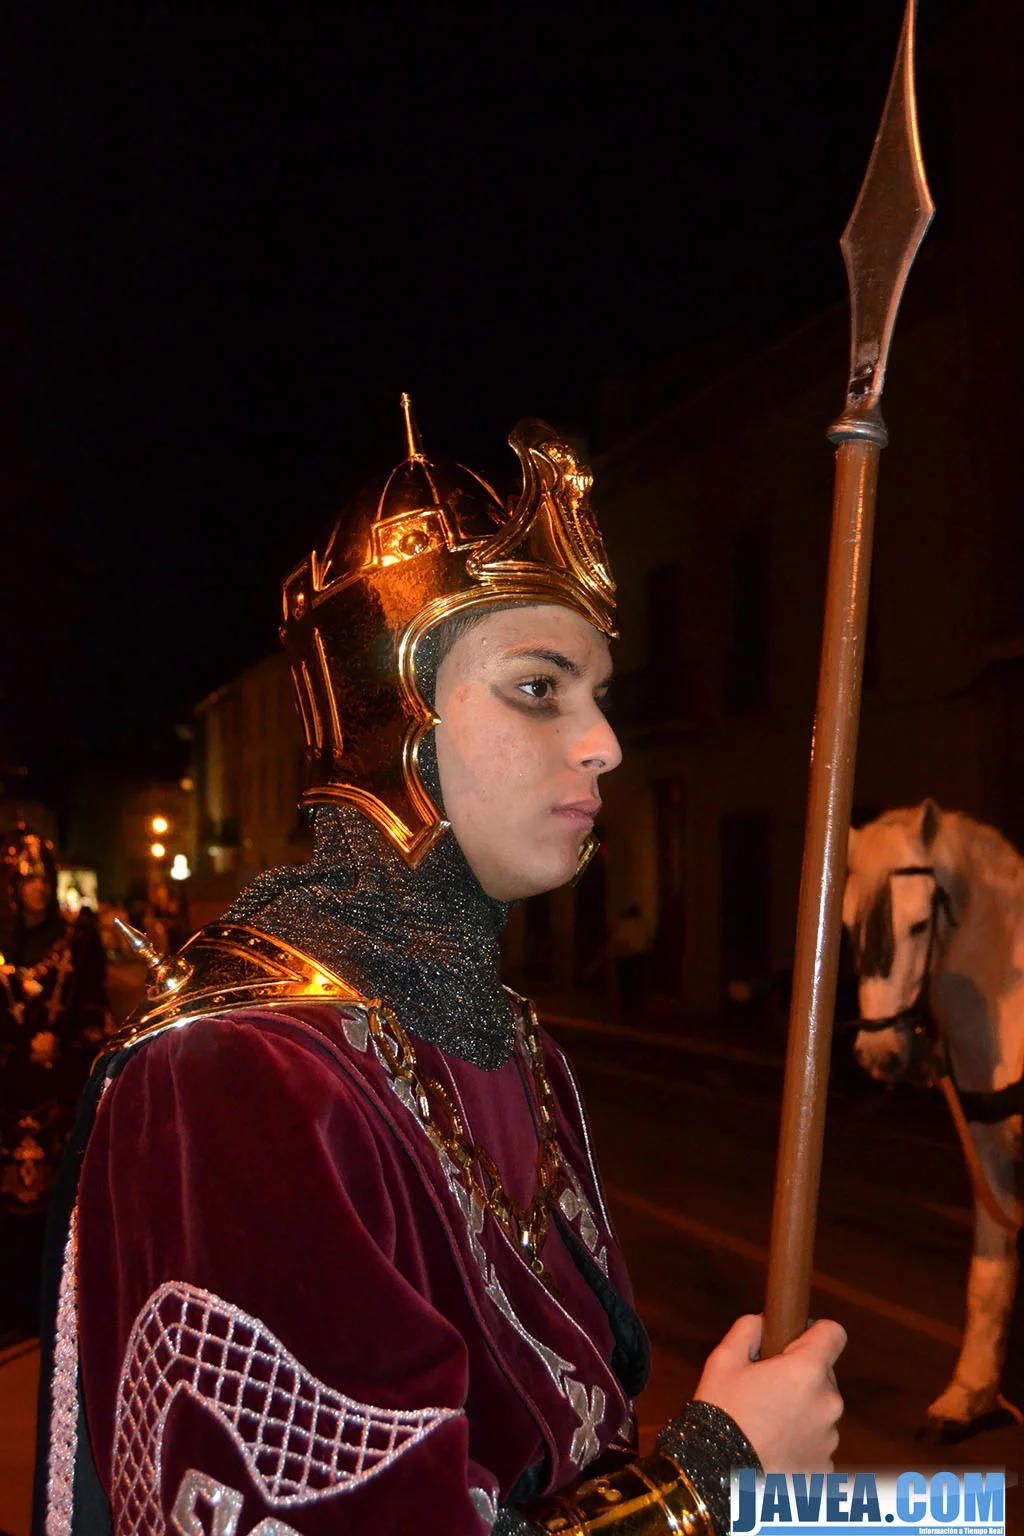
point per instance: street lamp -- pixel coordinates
(160, 825)
(158, 850)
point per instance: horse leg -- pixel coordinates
(991, 1283)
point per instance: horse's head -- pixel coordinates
(898, 910)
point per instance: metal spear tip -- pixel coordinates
(880, 241)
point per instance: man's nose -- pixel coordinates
(599, 750)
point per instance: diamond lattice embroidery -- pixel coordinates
(300, 1439)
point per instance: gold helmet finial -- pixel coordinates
(412, 433)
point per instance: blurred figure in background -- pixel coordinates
(53, 1020)
(167, 923)
(629, 945)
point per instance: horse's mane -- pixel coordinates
(993, 859)
(996, 861)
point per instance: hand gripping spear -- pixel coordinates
(879, 244)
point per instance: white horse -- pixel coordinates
(934, 903)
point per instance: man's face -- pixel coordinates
(522, 744)
(35, 895)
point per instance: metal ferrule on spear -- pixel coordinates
(879, 244)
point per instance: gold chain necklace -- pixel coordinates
(527, 1227)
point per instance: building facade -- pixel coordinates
(718, 518)
(249, 774)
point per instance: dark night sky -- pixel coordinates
(231, 238)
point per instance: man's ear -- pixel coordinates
(929, 823)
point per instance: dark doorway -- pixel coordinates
(745, 848)
(590, 932)
(670, 838)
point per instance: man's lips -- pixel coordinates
(582, 811)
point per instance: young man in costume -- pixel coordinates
(337, 1257)
(53, 1016)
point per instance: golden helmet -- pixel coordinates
(435, 541)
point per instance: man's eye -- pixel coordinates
(539, 688)
(916, 929)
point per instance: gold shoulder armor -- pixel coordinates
(223, 967)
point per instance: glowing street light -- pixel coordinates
(158, 850)
(160, 825)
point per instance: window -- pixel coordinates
(666, 682)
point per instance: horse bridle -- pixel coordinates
(940, 902)
(986, 1108)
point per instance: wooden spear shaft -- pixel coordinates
(833, 758)
(879, 244)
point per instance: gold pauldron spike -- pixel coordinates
(652, 1497)
(223, 967)
(165, 974)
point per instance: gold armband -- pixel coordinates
(652, 1497)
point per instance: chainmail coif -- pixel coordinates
(424, 941)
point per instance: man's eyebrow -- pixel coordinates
(554, 658)
(541, 653)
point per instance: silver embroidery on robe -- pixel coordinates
(573, 1203)
(485, 1504)
(558, 1369)
(300, 1439)
(64, 1395)
(403, 1091)
(581, 1116)
(356, 1026)
(226, 1504)
(473, 1214)
(585, 1444)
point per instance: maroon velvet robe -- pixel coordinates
(290, 1306)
